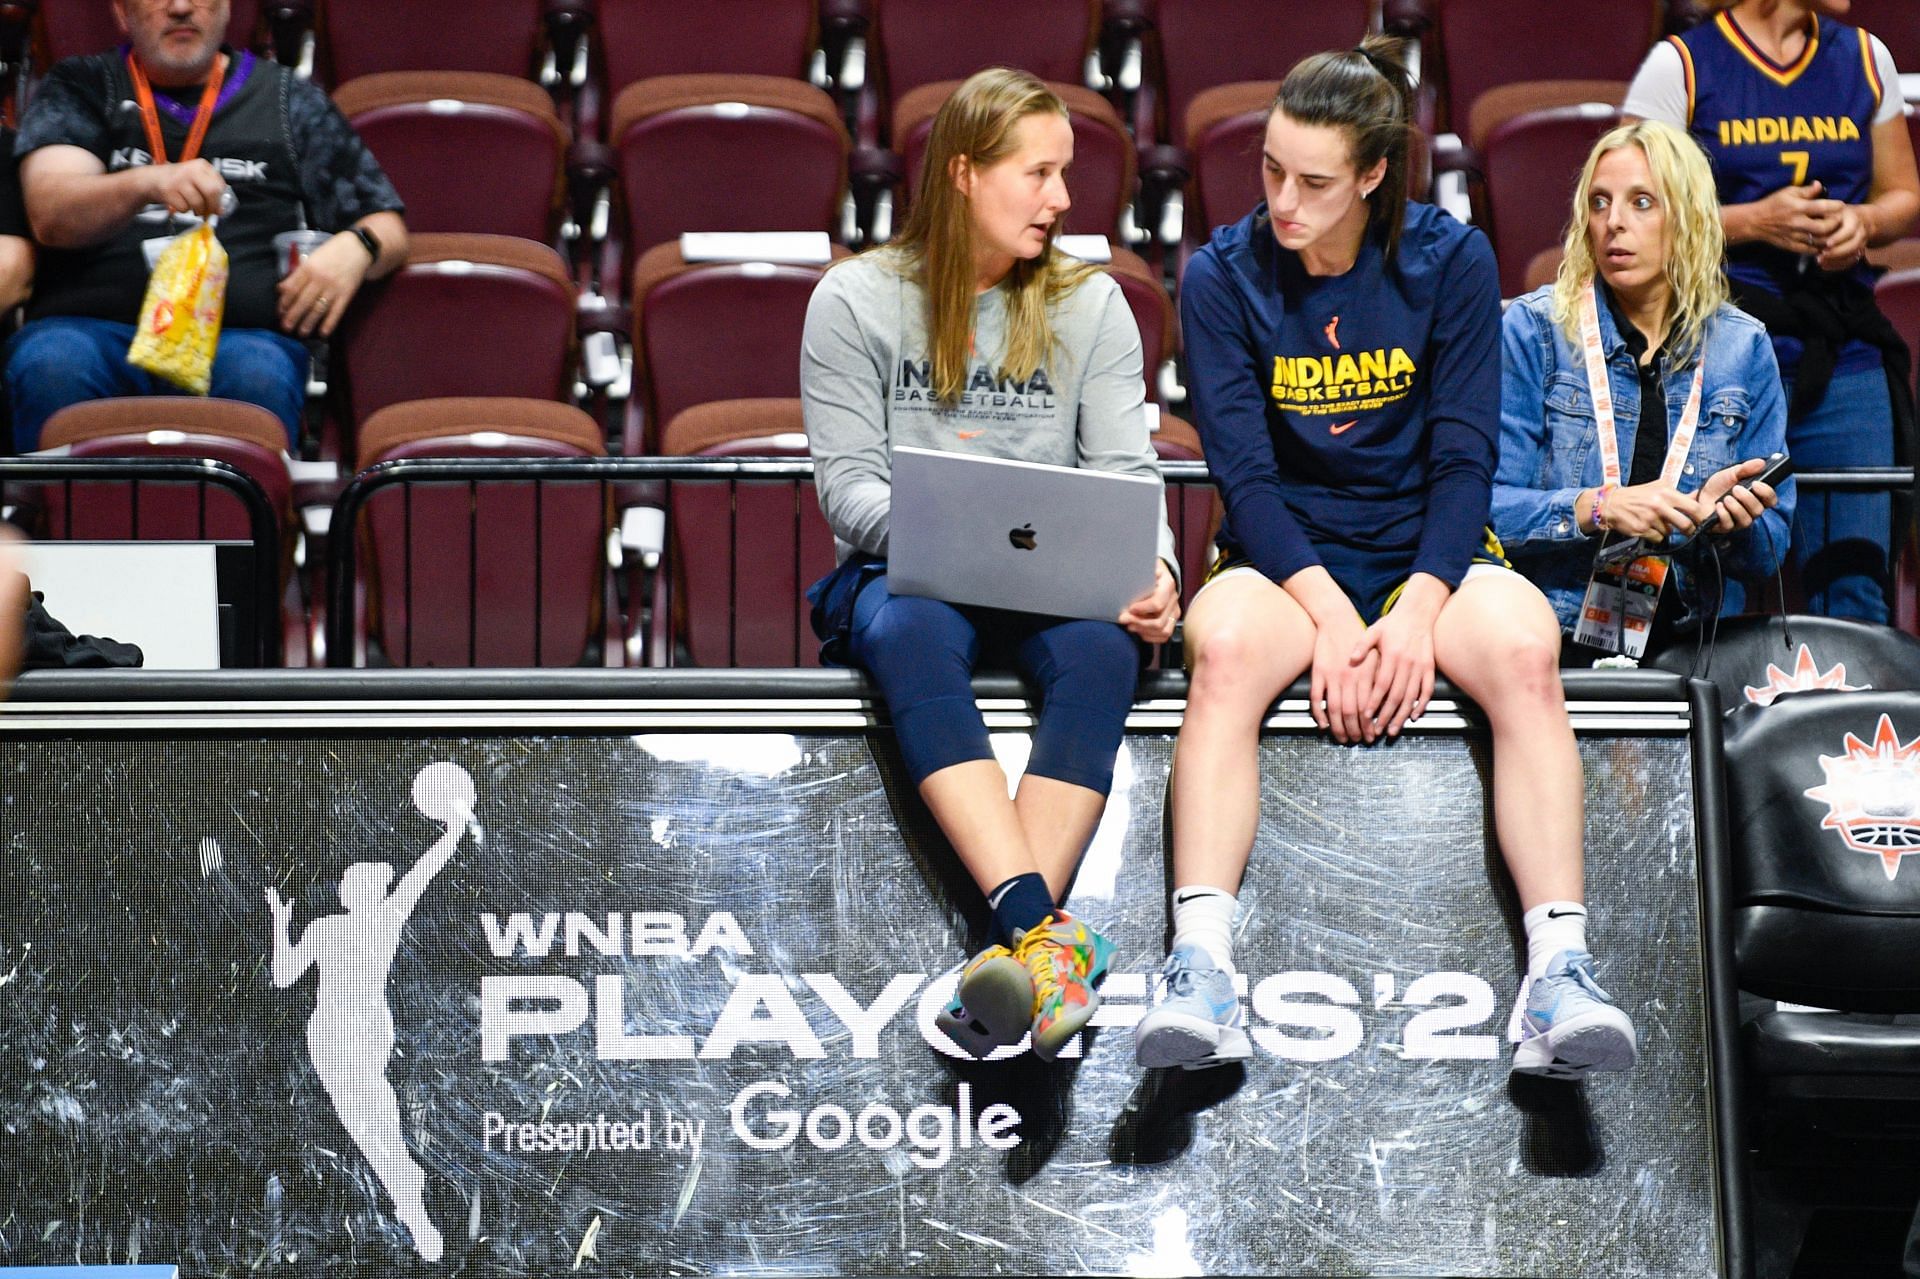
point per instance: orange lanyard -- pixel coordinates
(202, 116)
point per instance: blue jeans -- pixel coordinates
(922, 653)
(1840, 540)
(68, 359)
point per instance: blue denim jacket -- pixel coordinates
(1548, 452)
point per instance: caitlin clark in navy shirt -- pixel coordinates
(1344, 361)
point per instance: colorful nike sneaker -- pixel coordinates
(1570, 1026)
(1197, 1022)
(992, 1005)
(1066, 959)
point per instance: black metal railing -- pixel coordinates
(621, 477)
(1858, 479)
(613, 475)
(258, 630)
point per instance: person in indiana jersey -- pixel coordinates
(1801, 116)
(1344, 360)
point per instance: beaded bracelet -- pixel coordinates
(1599, 504)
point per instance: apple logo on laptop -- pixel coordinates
(1022, 537)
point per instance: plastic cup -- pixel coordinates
(291, 248)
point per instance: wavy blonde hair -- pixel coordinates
(935, 248)
(1696, 244)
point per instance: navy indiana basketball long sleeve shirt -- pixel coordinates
(1360, 409)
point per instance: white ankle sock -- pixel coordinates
(1203, 917)
(1551, 928)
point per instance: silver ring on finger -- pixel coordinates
(321, 303)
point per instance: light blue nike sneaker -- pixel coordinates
(1570, 1025)
(1197, 1022)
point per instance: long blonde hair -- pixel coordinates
(936, 245)
(1696, 244)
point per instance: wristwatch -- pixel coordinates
(367, 240)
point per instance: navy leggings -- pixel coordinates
(922, 653)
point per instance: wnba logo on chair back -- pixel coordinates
(1872, 794)
(1806, 674)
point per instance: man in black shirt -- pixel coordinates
(120, 152)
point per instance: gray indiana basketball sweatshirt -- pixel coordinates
(866, 380)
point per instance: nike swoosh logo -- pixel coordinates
(1341, 428)
(1181, 899)
(993, 902)
(1563, 914)
(970, 435)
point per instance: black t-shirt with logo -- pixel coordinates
(290, 157)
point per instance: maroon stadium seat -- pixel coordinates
(362, 37)
(1913, 126)
(1898, 293)
(1192, 509)
(497, 573)
(1542, 268)
(485, 315)
(1901, 255)
(713, 331)
(641, 39)
(1101, 180)
(467, 150)
(1529, 166)
(727, 153)
(1896, 22)
(245, 436)
(927, 41)
(73, 27)
(1483, 44)
(1207, 43)
(741, 555)
(1152, 311)
(1226, 127)
(1499, 105)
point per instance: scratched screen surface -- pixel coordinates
(764, 1054)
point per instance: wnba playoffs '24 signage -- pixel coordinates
(528, 1005)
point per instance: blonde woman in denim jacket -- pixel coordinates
(1645, 244)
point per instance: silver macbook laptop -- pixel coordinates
(1020, 535)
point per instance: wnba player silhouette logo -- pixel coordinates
(350, 1035)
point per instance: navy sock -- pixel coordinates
(1020, 903)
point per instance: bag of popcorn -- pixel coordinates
(179, 322)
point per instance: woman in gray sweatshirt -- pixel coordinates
(972, 333)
